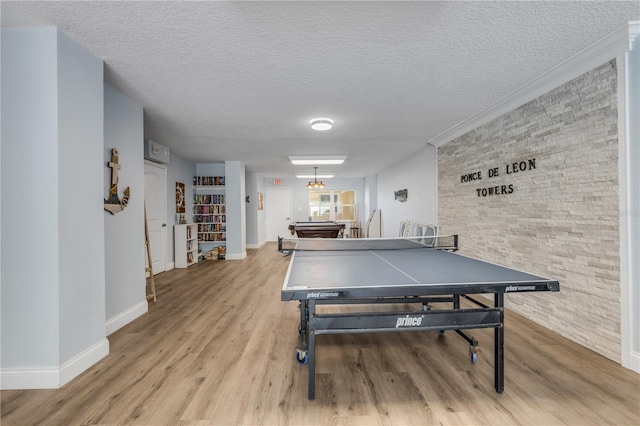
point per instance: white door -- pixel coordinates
(277, 208)
(155, 196)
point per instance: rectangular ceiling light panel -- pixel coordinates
(310, 160)
(313, 177)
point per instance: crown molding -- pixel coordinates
(607, 48)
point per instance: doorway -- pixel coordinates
(155, 196)
(277, 205)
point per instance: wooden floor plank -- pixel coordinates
(218, 348)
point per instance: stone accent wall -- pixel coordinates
(560, 217)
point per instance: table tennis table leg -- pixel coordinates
(312, 353)
(304, 319)
(312, 365)
(498, 342)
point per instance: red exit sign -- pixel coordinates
(277, 181)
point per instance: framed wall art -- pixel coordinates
(180, 206)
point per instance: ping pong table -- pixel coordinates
(413, 273)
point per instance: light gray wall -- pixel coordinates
(124, 231)
(251, 209)
(418, 174)
(236, 210)
(256, 235)
(210, 169)
(53, 301)
(80, 223)
(30, 311)
(370, 197)
(183, 171)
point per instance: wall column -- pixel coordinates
(236, 210)
(53, 301)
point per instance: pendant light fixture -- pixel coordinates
(315, 184)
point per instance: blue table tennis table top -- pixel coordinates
(346, 271)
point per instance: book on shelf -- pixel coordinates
(208, 199)
(208, 181)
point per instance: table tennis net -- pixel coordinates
(441, 242)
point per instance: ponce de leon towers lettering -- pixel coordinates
(509, 169)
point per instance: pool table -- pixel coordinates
(317, 229)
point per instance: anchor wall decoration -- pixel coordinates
(115, 204)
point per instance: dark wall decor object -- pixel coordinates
(401, 195)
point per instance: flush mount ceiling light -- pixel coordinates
(315, 184)
(310, 160)
(321, 123)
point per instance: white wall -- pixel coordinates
(418, 174)
(124, 232)
(53, 301)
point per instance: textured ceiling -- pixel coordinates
(241, 80)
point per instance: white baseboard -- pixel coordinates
(634, 362)
(80, 363)
(53, 378)
(30, 378)
(256, 246)
(170, 266)
(124, 318)
(236, 256)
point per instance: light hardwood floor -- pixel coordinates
(218, 348)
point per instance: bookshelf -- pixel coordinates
(209, 211)
(185, 239)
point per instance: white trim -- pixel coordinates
(82, 362)
(437, 178)
(629, 181)
(53, 378)
(43, 378)
(256, 246)
(170, 266)
(609, 47)
(623, 180)
(126, 317)
(236, 256)
(634, 362)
